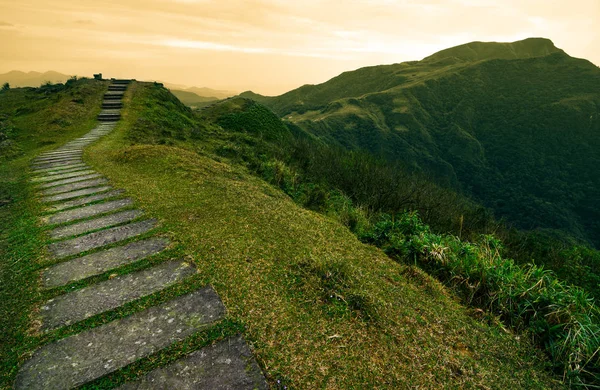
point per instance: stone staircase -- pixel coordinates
(95, 230)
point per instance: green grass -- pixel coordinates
(319, 308)
(32, 120)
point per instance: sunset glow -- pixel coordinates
(270, 46)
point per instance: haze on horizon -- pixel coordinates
(270, 46)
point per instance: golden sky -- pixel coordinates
(270, 46)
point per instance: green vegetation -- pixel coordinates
(514, 126)
(357, 190)
(320, 308)
(319, 253)
(31, 121)
(193, 100)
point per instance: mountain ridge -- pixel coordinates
(514, 133)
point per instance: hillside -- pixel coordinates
(310, 296)
(32, 79)
(326, 294)
(192, 99)
(515, 126)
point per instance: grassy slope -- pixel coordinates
(34, 120)
(319, 308)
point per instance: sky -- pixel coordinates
(270, 46)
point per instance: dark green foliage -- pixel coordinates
(247, 116)
(561, 318)
(515, 126)
(5, 86)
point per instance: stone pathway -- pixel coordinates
(91, 229)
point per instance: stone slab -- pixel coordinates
(56, 158)
(100, 262)
(74, 186)
(78, 305)
(99, 239)
(69, 180)
(226, 365)
(55, 164)
(59, 152)
(61, 168)
(47, 178)
(88, 211)
(76, 170)
(77, 229)
(91, 354)
(85, 200)
(75, 194)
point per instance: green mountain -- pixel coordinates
(515, 126)
(192, 99)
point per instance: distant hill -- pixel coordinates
(32, 79)
(214, 94)
(514, 125)
(192, 99)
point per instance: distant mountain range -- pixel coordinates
(188, 95)
(514, 125)
(17, 78)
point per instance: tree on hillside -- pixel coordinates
(5, 86)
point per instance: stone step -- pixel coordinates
(228, 364)
(109, 117)
(100, 262)
(77, 229)
(99, 239)
(117, 87)
(57, 164)
(75, 194)
(60, 168)
(79, 359)
(69, 180)
(88, 211)
(78, 305)
(112, 105)
(54, 172)
(120, 81)
(112, 97)
(74, 186)
(58, 152)
(68, 175)
(84, 200)
(45, 159)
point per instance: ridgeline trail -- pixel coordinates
(93, 230)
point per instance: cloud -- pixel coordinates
(84, 22)
(5, 24)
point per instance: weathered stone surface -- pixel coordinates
(76, 169)
(69, 180)
(60, 152)
(78, 305)
(74, 186)
(85, 200)
(99, 262)
(57, 169)
(55, 158)
(59, 176)
(55, 164)
(226, 365)
(95, 224)
(94, 353)
(89, 211)
(75, 194)
(99, 239)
